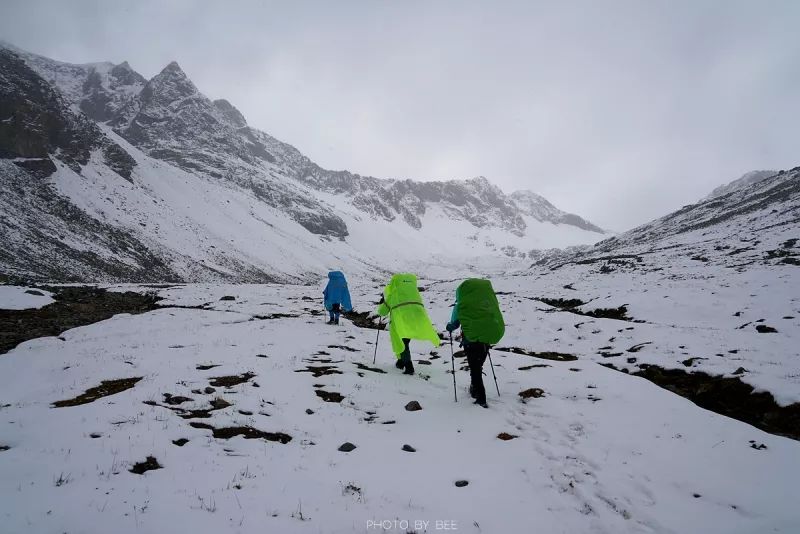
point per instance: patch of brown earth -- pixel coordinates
(555, 356)
(106, 388)
(275, 316)
(199, 413)
(174, 400)
(320, 370)
(230, 381)
(73, 307)
(247, 432)
(363, 320)
(368, 368)
(343, 347)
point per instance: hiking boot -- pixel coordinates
(471, 391)
(330, 322)
(481, 404)
(400, 364)
(336, 322)
(409, 367)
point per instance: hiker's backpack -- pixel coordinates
(479, 312)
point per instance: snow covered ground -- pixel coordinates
(600, 451)
(23, 298)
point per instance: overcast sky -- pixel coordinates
(620, 111)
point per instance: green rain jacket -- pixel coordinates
(407, 314)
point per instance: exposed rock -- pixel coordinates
(346, 447)
(329, 396)
(413, 406)
(149, 464)
(531, 393)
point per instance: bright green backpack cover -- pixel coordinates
(479, 312)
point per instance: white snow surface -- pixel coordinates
(23, 298)
(601, 451)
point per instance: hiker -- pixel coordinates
(337, 296)
(408, 319)
(478, 314)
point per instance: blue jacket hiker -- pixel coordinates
(337, 296)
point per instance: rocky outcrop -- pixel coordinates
(37, 124)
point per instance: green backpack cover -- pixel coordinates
(479, 312)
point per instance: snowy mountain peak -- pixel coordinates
(125, 75)
(481, 184)
(529, 200)
(541, 209)
(170, 84)
(173, 67)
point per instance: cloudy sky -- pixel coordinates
(620, 111)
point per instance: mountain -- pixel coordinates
(540, 209)
(757, 222)
(141, 179)
(747, 179)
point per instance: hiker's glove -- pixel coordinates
(450, 327)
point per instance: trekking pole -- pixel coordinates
(377, 337)
(494, 375)
(453, 361)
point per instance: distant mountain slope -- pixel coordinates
(751, 224)
(100, 108)
(540, 209)
(747, 179)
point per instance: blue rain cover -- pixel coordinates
(336, 291)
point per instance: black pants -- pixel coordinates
(334, 312)
(476, 355)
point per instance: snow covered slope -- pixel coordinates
(248, 207)
(756, 224)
